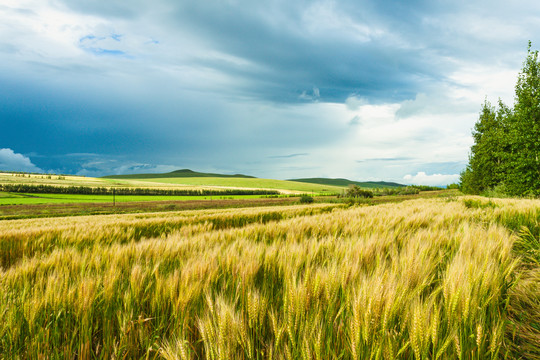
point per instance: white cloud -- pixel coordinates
(421, 178)
(370, 115)
(354, 102)
(101, 166)
(355, 120)
(11, 161)
(481, 80)
(326, 19)
(42, 32)
(315, 95)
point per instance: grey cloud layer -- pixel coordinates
(267, 87)
(287, 48)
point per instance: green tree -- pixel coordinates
(488, 157)
(524, 168)
(506, 150)
(355, 191)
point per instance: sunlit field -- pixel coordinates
(169, 183)
(23, 199)
(250, 183)
(421, 279)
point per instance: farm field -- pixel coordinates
(26, 211)
(23, 199)
(20, 206)
(433, 278)
(250, 183)
(56, 180)
(36, 204)
(170, 183)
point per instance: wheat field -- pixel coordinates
(421, 279)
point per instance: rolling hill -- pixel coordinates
(184, 173)
(347, 182)
(188, 177)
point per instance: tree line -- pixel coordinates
(505, 157)
(355, 191)
(88, 190)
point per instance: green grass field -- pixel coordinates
(182, 183)
(172, 182)
(252, 183)
(26, 199)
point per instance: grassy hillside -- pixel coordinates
(188, 177)
(73, 180)
(424, 279)
(346, 182)
(182, 181)
(184, 173)
(250, 183)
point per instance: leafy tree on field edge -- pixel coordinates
(506, 150)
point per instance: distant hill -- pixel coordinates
(347, 182)
(187, 173)
(184, 173)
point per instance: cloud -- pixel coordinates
(101, 167)
(355, 120)
(11, 161)
(354, 102)
(391, 159)
(227, 85)
(421, 178)
(110, 44)
(288, 156)
(314, 96)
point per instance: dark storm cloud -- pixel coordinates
(383, 51)
(227, 84)
(295, 46)
(293, 56)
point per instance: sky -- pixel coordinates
(364, 90)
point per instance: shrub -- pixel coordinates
(409, 190)
(354, 191)
(477, 204)
(306, 199)
(497, 191)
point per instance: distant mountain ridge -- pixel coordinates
(347, 182)
(183, 173)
